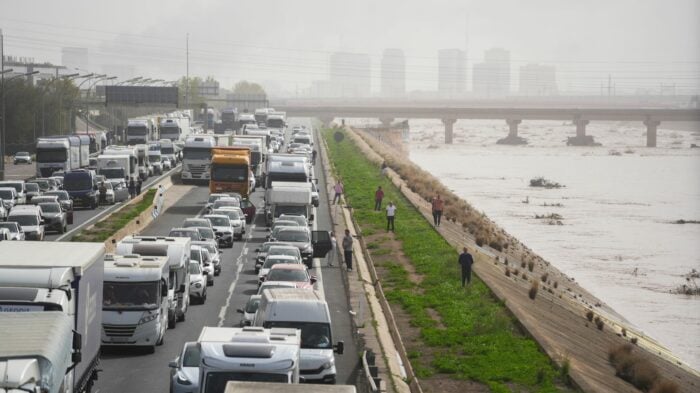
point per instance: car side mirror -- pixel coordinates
(238, 310)
(339, 347)
(313, 279)
(173, 364)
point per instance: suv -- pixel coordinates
(29, 218)
(54, 217)
(14, 228)
(311, 244)
(81, 185)
(8, 197)
(22, 157)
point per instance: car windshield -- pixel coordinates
(6, 194)
(216, 381)
(229, 173)
(214, 198)
(194, 268)
(292, 236)
(112, 173)
(314, 335)
(280, 224)
(11, 226)
(22, 154)
(228, 202)
(17, 186)
(270, 262)
(219, 221)
(196, 153)
(196, 255)
(211, 248)
(43, 184)
(292, 252)
(31, 187)
(252, 305)
(154, 157)
(195, 223)
(140, 295)
(287, 275)
(191, 357)
(51, 155)
(296, 210)
(194, 235)
(206, 233)
(62, 195)
(24, 219)
(50, 207)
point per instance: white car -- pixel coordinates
(272, 260)
(167, 165)
(213, 198)
(201, 255)
(29, 219)
(184, 370)
(237, 217)
(249, 310)
(225, 232)
(16, 232)
(198, 285)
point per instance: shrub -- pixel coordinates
(531, 265)
(507, 272)
(544, 277)
(599, 323)
(533, 290)
(633, 340)
(496, 245)
(664, 386)
(523, 264)
(589, 315)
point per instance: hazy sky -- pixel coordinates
(642, 43)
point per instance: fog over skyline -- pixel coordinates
(284, 44)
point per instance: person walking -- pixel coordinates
(139, 183)
(466, 260)
(338, 188)
(390, 214)
(378, 196)
(438, 205)
(333, 251)
(132, 188)
(347, 250)
(313, 157)
(103, 193)
(385, 169)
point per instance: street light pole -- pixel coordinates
(2, 99)
(87, 100)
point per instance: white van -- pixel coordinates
(29, 219)
(307, 311)
(135, 300)
(19, 187)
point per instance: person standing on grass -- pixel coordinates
(438, 205)
(132, 188)
(466, 260)
(390, 214)
(338, 188)
(378, 196)
(347, 250)
(333, 251)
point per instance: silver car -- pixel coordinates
(184, 370)
(16, 232)
(198, 284)
(248, 312)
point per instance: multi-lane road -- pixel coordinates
(136, 371)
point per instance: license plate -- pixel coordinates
(20, 308)
(119, 339)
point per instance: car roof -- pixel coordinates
(190, 229)
(281, 256)
(289, 266)
(215, 216)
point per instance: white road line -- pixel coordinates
(241, 263)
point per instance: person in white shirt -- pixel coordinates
(390, 213)
(333, 251)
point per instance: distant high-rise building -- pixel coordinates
(75, 58)
(491, 78)
(452, 72)
(393, 82)
(350, 75)
(538, 80)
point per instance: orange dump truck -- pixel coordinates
(230, 170)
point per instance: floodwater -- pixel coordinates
(618, 203)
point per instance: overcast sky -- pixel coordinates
(642, 43)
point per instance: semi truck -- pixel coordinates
(135, 300)
(230, 170)
(276, 120)
(177, 250)
(57, 277)
(57, 154)
(229, 119)
(139, 131)
(258, 153)
(196, 158)
(39, 352)
(288, 198)
(245, 119)
(176, 127)
(167, 149)
(247, 354)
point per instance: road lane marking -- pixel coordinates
(240, 262)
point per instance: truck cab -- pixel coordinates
(138, 131)
(130, 151)
(135, 300)
(197, 158)
(230, 170)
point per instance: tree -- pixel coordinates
(195, 99)
(245, 87)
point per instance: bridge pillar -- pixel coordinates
(652, 126)
(449, 130)
(386, 122)
(513, 127)
(581, 128)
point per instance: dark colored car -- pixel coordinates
(81, 185)
(33, 190)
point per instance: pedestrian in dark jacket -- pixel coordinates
(347, 250)
(138, 187)
(437, 204)
(378, 196)
(132, 188)
(466, 260)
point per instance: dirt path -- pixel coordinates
(556, 318)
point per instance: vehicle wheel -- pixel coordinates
(181, 318)
(161, 340)
(204, 296)
(172, 321)
(210, 283)
(151, 349)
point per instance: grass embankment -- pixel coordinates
(102, 230)
(473, 337)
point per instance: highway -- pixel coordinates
(126, 370)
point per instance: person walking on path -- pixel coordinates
(132, 188)
(347, 250)
(333, 251)
(378, 196)
(390, 214)
(466, 260)
(338, 188)
(438, 205)
(139, 183)
(313, 157)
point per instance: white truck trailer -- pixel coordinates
(58, 277)
(288, 198)
(38, 352)
(57, 154)
(177, 250)
(247, 354)
(135, 303)
(133, 170)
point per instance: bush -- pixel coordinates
(664, 386)
(531, 265)
(523, 264)
(507, 272)
(533, 290)
(599, 323)
(544, 277)
(589, 315)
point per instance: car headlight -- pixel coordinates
(328, 364)
(148, 318)
(309, 249)
(182, 379)
(236, 223)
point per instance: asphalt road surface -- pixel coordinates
(130, 370)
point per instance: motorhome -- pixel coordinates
(255, 130)
(177, 250)
(286, 171)
(56, 277)
(135, 300)
(84, 149)
(247, 354)
(258, 153)
(307, 311)
(145, 167)
(133, 170)
(113, 167)
(57, 154)
(288, 198)
(196, 161)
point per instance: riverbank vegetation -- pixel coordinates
(102, 230)
(638, 371)
(462, 333)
